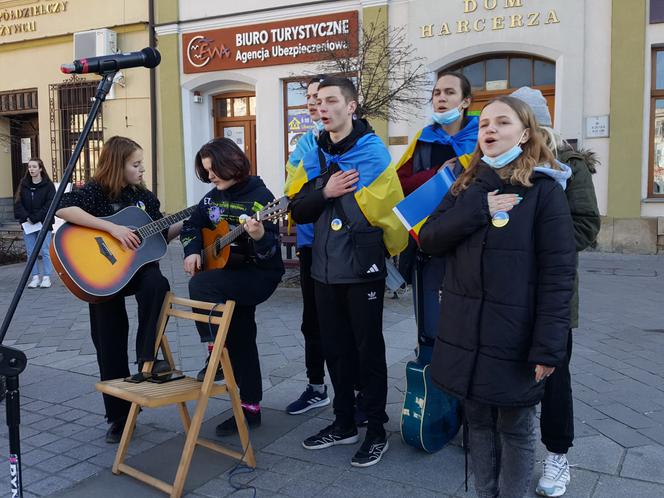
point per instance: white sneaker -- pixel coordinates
(34, 283)
(46, 282)
(555, 476)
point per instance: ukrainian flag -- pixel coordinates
(378, 189)
(463, 143)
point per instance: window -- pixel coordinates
(69, 104)
(656, 11)
(296, 117)
(656, 160)
(500, 72)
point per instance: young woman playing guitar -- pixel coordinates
(118, 183)
(253, 270)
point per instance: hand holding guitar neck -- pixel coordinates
(254, 228)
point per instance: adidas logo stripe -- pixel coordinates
(373, 269)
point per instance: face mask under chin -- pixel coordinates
(447, 117)
(506, 157)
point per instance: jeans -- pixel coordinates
(502, 448)
(557, 417)
(30, 239)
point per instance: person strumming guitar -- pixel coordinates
(251, 274)
(117, 184)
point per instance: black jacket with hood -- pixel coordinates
(34, 200)
(506, 294)
(246, 197)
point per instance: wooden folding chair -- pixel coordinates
(152, 395)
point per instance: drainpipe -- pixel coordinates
(153, 98)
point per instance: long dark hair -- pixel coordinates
(26, 176)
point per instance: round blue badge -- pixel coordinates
(500, 219)
(336, 224)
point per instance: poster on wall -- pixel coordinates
(236, 134)
(299, 122)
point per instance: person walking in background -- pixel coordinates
(31, 202)
(557, 415)
(506, 231)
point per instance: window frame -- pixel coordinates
(655, 95)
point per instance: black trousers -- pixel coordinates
(248, 287)
(109, 327)
(313, 349)
(351, 325)
(557, 417)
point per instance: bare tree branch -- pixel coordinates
(390, 77)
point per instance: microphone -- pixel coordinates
(148, 57)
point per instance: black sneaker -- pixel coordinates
(330, 436)
(228, 427)
(200, 377)
(309, 399)
(114, 432)
(372, 450)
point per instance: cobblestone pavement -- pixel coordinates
(618, 374)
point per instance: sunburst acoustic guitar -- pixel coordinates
(217, 242)
(94, 266)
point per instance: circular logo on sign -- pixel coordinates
(336, 224)
(500, 219)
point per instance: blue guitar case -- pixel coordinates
(430, 418)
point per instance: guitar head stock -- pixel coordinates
(274, 211)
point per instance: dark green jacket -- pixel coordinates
(583, 206)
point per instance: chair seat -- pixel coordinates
(152, 395)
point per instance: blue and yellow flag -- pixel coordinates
(378, 189)
(464, 142)
(304, 232)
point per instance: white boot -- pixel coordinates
(46, 282)
(34, 282)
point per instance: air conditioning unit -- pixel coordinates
(96, 43)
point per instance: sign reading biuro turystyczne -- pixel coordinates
(283, 42)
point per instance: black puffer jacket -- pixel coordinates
(506, 293)
(34, 201)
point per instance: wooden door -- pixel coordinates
(234, 117)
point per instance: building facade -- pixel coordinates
(42, 111)
(237, 70)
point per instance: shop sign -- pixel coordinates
(283, 42)
(476, 16)
(20, 16)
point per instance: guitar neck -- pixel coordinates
(230, 237)
(161, 224)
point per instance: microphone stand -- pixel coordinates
(12, 360)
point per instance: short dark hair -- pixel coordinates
(228, 160)
(315, 79)
(345, 85)
(466, 88)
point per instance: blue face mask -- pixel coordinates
(506, 157)
(319, 125)
(447, 117)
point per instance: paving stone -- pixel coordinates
(80, 471)
(49, 485)
(626, 415)
(621, 434)
(617, 487)
(596, 453)
(645, 463)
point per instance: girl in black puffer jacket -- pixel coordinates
(506, 230)
(33, 197)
